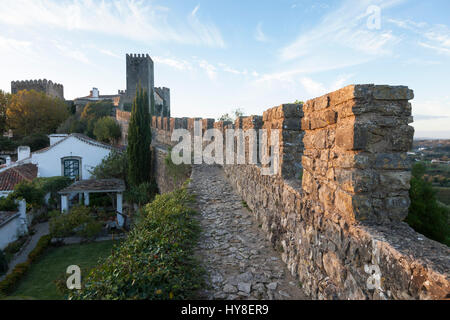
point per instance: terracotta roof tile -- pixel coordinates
(95, 185)
(10, 177)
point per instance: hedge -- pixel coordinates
(9, 284)
(156, 261)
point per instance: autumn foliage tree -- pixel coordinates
(4, 102)
(32, 112)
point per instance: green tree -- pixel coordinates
(5, 99)
(234, 115)
(115, 165)
(32, 112)
(139, 140)
(425, 214)
(107, 130)
(35, 141)
(94, 111)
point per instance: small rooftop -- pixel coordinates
(10, 177)
(95, 185)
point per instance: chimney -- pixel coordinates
(95, 93)
(23, 152)
(8, 161)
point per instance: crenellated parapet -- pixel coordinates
(42, 85)
(336, 205)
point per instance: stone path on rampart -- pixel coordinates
(240, 261)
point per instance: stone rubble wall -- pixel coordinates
(336, 206)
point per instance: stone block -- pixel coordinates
(384, 92)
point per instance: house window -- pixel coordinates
(71, 168)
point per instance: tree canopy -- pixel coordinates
(108, 130)
(32, 112)
(139, 140)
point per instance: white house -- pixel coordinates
(72, 155)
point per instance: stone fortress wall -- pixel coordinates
(48, 87)
(338, 227)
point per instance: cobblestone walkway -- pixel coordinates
(240, 261)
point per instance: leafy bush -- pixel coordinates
(108, 130)
(113, 166)
(3, 263)
(79, 221)
(8, 204)
(52, 185)
(142, 194)
(425, 214)
(156, 260)
(14, 247)
(31, 193)
(11, 280)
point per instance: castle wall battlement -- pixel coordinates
(42, 85)
(335, 209)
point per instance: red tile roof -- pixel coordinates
(9, 178)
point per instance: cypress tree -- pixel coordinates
(139, 140)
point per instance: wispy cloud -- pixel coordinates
(71, 53)
(138, 20)
(8, 44)
(174, 63)
(344, 28)
(210, 69)
(259, 34)
(436, 37)
(110, 53)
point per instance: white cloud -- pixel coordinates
(313, 87)
(436, 37)
(110, 53)
(344, 29)
(138, 20)
(210, 70)
(71, 53)
(174, 63)
(8, 44)
(259, 34)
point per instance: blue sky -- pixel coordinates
(220, 55)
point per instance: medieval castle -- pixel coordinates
(48, 87)
(140, 71)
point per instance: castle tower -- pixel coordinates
(139, 71)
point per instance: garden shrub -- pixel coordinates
(8, 204)
(52, 185)
(30, 192)
(79, 221)
(156, 261)
(14, 247)
(115, 165)
(141, 194)
(10, 282)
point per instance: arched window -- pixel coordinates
(71, 167)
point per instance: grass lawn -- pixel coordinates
(38, 283)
